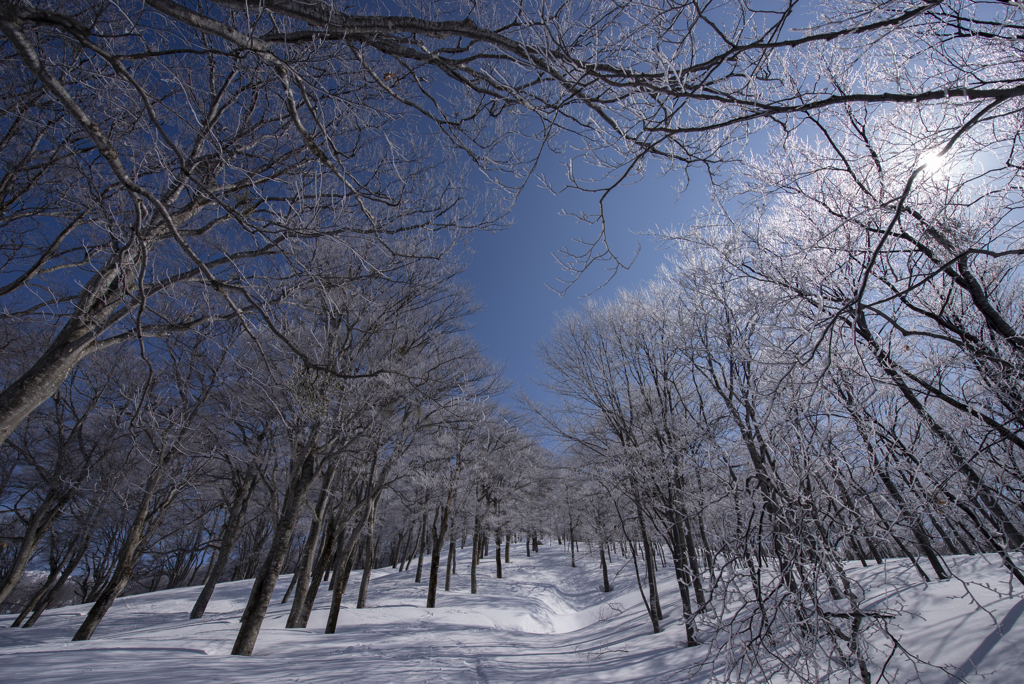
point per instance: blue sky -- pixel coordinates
(512, 269)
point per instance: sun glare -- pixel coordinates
(932, 162)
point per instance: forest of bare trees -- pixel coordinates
(233, 335)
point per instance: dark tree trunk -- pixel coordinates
(476, 555)
(39, 523)
(369, 557)
(345, 558)
(604, 569)
(131, 550)
(69, 568)
(319, 572)
(303, 573)
(572, 544)
(652, 578)
(37, 596)
(683, 573)
(299, 482)
(435, 555)
(420, 543)
(450, 568)
(497, 553)
(423, 545)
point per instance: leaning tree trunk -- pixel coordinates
(435, 554)
(369, 558)
(301, 478)
(652, 577)
(319, 570)
(51, 594)
(40, 522)
(303, 571)
(343, 560)
(38, 383)
(229, 537)
(131, 551)
(423, 544)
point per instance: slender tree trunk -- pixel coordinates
(303, 573)
(300, 480)
(423, 545)
(39, 523)
(291, 586)
(450, 569)
(508, 544)
(435, 554)
(50, 595)
(131, 550)
(421, 541)
(691, 554)
(652, 578)
(369, 556)
(403, 540)
(344, 559)
(497, 553)
(319, 571)
(37, 595)
(476, 555)
(604, 569)
(651, 613)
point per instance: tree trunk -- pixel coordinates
(604, 569)
(423, 544)
(39, 523)
(683, 573)
(229, 537)
(344, 561)
(37, 595)
(435, 553)
(69, 568)
(420, 543)
(652, 578)
(476, 555)
(39, 383)
(301, 479)
(369, 557)
(319, 572)
(450, 568)
(303, 573)
(497, 553)
(131, 550)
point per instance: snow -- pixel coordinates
(544, 622)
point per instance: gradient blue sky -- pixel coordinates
(512, 269)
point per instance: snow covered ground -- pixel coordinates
(544, 622)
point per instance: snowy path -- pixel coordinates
(544, 622)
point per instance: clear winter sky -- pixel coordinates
(511, 269)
